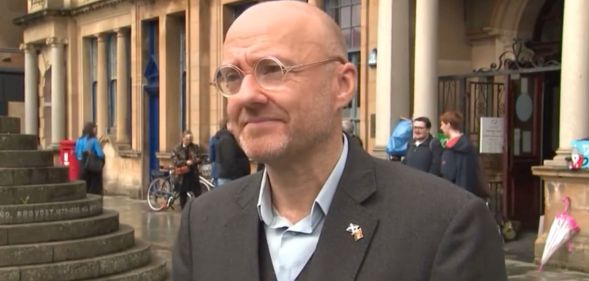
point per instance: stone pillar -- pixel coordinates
(31, 90)
(559, 183)
(574, 78)
(57, 90)
(425, 99)
(122, 87)
(101, 87)
(392, 73)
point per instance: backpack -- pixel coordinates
(397, 144)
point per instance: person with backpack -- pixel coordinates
(397, 144)
(85, 145)
(424, 151)
(460, 162)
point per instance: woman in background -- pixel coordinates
(86, 144)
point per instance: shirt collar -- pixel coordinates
(323, 199)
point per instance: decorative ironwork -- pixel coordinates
(519, 57)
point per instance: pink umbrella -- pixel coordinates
(562, 231)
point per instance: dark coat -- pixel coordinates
(180, 155)
(416, 227)
(460, 165)
(426, 156)
(230, 160)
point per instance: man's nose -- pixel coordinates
(250, 90)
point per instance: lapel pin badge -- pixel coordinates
(356, 231)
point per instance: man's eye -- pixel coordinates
(268, 67)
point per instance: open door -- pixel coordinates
(523, 191)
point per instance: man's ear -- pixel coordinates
(346, 84)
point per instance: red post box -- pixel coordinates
(67, 157)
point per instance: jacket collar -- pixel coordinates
(355, 187)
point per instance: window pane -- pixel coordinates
(332, 4)
(356, 15)
(345, 2)
(347, 35)
(112, 56)
(345, 14)
(355, 38)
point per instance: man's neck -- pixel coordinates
(296, 182)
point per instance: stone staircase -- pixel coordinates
(50, 229)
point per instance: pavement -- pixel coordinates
(160, 228)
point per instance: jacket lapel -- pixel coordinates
(338, 255)
(241, 236)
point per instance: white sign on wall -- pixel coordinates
(491, 140)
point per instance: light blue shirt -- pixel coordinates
(292, 245)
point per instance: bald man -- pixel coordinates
(322, 209)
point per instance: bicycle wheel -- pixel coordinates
(158, 193)
(205, 185)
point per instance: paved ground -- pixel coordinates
(159, 228)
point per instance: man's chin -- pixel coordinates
(263, 149)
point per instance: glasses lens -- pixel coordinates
(269, 72)
(228, 80)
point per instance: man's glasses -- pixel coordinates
(269, 73)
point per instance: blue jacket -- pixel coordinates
(82, 145)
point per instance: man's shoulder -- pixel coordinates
(220, 200)
(408, 186)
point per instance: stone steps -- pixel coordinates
(44, 212)
(9, 125)
(51, 230)
(102, 266)
(52, 252)
(106, 222)
(42, 193)
(18, 142)
(27, 176)
(26, 158)
(154, 271)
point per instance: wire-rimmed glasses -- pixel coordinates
(268, 71)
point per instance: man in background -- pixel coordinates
(424, 151)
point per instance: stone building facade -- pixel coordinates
(141, 70)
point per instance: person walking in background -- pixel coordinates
(460, 163)
(323, 209)
(86, 144)
(213, 141)
(185, 158)
(424, 151)
(231, 161)
(348, 128)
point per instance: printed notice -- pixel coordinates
(491, 140)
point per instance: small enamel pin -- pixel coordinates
(356, 231)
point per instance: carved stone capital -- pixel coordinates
(101, 37)
(122, 32)
(28, 47)
(53, 41)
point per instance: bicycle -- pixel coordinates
(161, 193)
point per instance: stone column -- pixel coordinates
(122, 87)
(101, 87)
(392, 73)
(574, 78)
(57, 90)
(425, 99)
(31, 91)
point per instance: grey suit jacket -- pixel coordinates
(416, 227)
